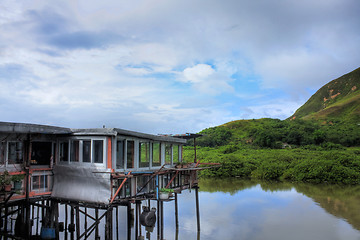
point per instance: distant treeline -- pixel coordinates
(299, 165)
(274, 133)
(297, 150)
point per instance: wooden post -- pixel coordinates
(77, 222)
(195, 160)
(66, 222)
(85, 221)
(117, 222)
(37, 219)
(72, 218)
(137, 220)
(162, 219)
(56, 215)
(176, 213)
(97, 224)
(108, 224)
(158, 219)
(129, 221)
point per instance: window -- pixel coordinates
(75, 149)
(120, 154)
(156, 154)
(2, 153)
(41, 153)
(86, 151)
(41, 183)
(64, 151)
(144, 148)
(130, 150)
(98, 151)
(176, 154)
(168, 153)
(15, 152)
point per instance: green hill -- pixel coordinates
(337, 104)
(339, 100)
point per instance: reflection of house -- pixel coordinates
(91, 164)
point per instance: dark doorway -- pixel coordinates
(41, 153)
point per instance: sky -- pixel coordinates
(169, 66)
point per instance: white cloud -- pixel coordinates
(205, 79)
(171, 61)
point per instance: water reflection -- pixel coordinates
(243, 209)
(252, 210)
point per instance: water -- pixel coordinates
(252, 210)
(241, 209)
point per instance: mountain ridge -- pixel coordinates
(337, 100)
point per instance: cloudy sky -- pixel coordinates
(169, 66)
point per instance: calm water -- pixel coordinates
(239, 209)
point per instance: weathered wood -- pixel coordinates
(77, 212)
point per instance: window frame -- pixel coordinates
(8, 153)
(148, 153)
(81, 141)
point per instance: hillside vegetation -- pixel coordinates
(319, 143)
(339, 100)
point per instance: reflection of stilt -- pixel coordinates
(176, 213)
(117, 222)
(129, 221)
(158, 221)
(162, 219)
(197, 208)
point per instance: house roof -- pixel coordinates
(8, 127)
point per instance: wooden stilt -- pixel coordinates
(162, 219)
(129, 221)
(137, 220)
(117, 222)
(37, 219)
(108, 224)
(85, 220)
(77, 212)
(158, 219)
(176, 212)
(97, 236)
(66, 222)
(72, 222)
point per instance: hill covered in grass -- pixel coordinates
(319, 143)
(339, 100)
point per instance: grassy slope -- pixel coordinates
(339, 99)
(241, 156)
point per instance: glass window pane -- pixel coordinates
(74, 157)
(168, 153)
(64, 151)
(120, 154)
(144, 154)
(176, 153)
(98, 151)
(130, 154)
(2, 153)
(15, 152)
(87, 151)
(156, 158)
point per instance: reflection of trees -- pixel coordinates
(342, 201)
(229, 185)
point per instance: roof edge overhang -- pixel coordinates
(10, 127)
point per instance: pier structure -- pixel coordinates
(70, 183)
